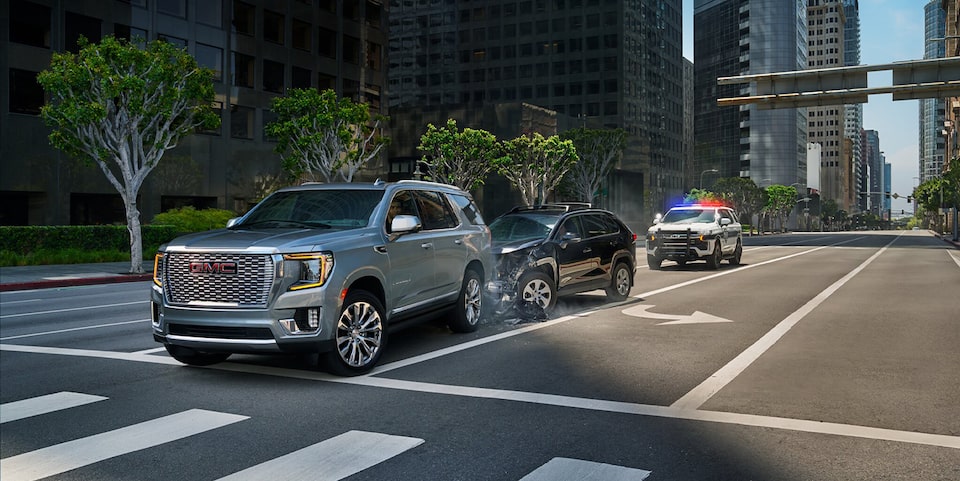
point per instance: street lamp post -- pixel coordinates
(704, 172)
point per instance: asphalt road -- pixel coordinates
(823, 356)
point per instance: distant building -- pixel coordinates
(853, 125)
(875, 171)
(257, 49)
(742, 37)
(932, 111)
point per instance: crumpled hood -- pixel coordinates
(269, 240)
(507, 247)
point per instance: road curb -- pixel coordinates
(79, 281)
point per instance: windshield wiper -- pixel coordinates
(283, 223)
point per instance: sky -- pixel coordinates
(890, 31)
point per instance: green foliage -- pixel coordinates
(70, 244)
(535, 164)
(598, 151)
(189, 219)
(742, 194)
(701, 195)
(461, 158)
(323, 137)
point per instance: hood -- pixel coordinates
(507, 247)
(268, 240)
(693, 226)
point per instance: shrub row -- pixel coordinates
(27, 239)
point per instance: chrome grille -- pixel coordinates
(248, 287)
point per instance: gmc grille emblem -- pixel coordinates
(227, 268)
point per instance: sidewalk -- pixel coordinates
(18, 278)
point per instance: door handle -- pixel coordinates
(427, 245)
(587, 250)
(458, 241)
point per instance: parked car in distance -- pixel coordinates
(326, 268)
(695, 232)
(545, 251)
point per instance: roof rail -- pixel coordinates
(561, 206)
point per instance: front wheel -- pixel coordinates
(194, 357)
(713, 262)
(466, 317)
(620, 283)
(360, 335)
(536, 290)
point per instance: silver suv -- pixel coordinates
(323, 268)
(694, 232)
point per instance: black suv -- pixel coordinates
(550, 250)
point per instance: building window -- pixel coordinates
(177, 41)
(243, 70)
(244, 16)
(273, 27)
(300, 78)
(328, 43)
(211, 58)
(26, 95)
(374, 55)
(241, 122)
(31, 24)
(326, 82)
(273, 76)
(130, 34)
(302, 38)
(374, 13)
(351, 49)
(176, 8)
(77, 25)
(210, 13)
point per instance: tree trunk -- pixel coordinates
(136, 237)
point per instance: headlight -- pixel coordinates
(157, 267)
(314, 269)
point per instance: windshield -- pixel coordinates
(322, 209)
(689, 216)
(517, 227)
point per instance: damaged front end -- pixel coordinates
(511, 263)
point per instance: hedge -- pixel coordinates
(26, 239)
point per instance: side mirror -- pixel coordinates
(403, 224)
(232, 222)
(657, 218)
(725, 221)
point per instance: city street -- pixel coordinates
(828, 356)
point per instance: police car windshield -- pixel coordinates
(689, 216)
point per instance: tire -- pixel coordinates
(713, 262)
(537, 290)
(653, 262)
(360, 335)
(620, 282)
(466, 316)
(737, 254)
(193, 357)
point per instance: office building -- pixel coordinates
(853, 126)
(932, 111)
(742, 37)
(595, 63)
(874, 159)
(257, 49)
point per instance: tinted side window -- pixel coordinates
(435, 213)
(571, 226)
(594, 226)
(401, 204)
(469, 208)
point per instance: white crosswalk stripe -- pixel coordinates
(49, 403)
(566, 469)
(82, 452)
(330, 460)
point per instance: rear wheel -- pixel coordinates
(620, 283)
(466, 317)
(360, 335)
(194, 357)
(653, 262)
(713, 262)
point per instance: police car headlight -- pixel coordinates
(313, 268)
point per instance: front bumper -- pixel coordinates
(679, 246)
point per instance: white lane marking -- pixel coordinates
(74, 454)
(641, 311)
(566, 469)
(72, 309)
(61, 331)
(49, 403)
(739, 269)
(330, 460)
(151, 351)
(535, 398)
(954, 257)
(700, 394)
(23, 301)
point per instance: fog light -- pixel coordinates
(305, 321)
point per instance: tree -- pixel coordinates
(598, 151)
(781, 199)
(121, 107)
(459, 158)
(319, 134)
(535, 164)
(696, 196)
(742, 194)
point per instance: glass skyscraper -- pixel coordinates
(932, 143)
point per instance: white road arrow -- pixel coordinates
(696, 318)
